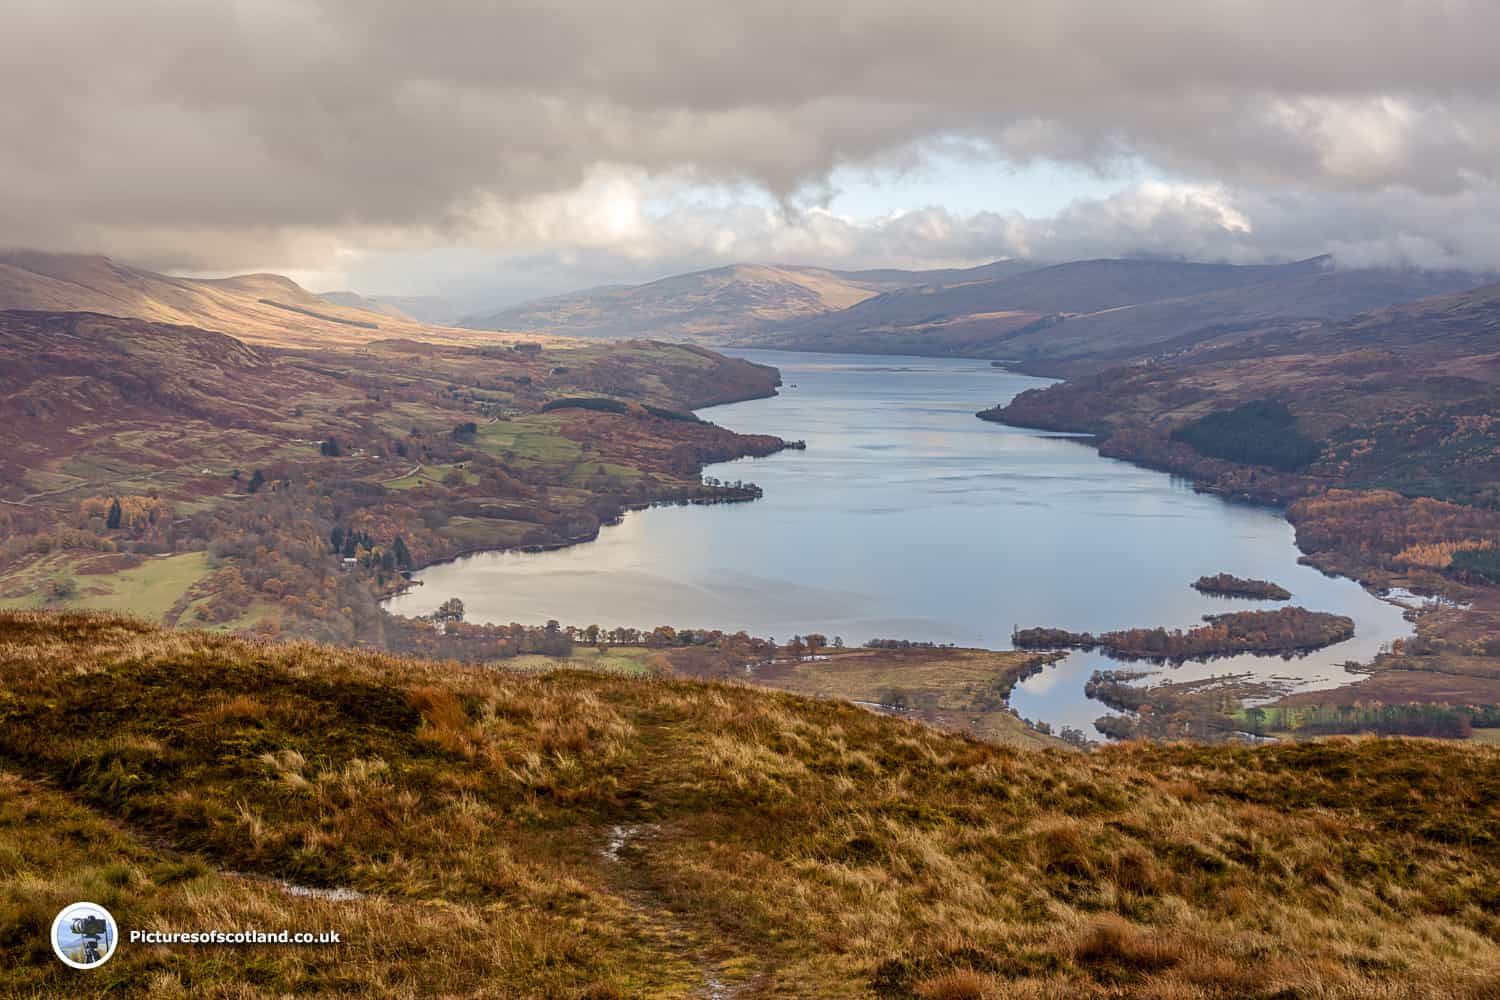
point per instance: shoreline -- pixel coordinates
(481, 550)
(468, 553)
(1096, 440)
(1089, 438)
(1336, 679)
(1332, 682)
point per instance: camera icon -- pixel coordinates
(84, 935)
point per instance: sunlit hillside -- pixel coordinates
(258, 308)
(480, 832)
(702, 304)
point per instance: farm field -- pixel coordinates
(150, 591)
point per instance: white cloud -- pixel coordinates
(236, 134)
(621, 227)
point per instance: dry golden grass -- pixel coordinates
(964, 690)
(575, 834)
(256, 308)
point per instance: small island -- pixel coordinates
(1285, 630)
(1228, 585)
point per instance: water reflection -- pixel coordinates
(907, 517)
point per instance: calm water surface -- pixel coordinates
(907, 517)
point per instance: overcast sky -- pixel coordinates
(514, 149)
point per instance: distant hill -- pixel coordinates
(892, 278)
(1093, 341)
(71, 381)
(353, 300)
(1092, 313)
(1398, 398)
(257, 308)
(718, 303)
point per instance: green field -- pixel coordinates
(535, 439)
(149, 590)
(590, 472)
(621, 660)
(428, 474)
(471, 533)
(255, 614)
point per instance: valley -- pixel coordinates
(356, 465)
(907, 519)
(698, 706)
(806, 501)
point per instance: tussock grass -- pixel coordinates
(779, 846)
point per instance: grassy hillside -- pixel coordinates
(597, 835)
(259, 308)
(964, 690)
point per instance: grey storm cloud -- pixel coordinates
(213, 134)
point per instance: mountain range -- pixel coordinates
(1086, 315)
(1055, 319)
(1051, 318)
(718, 304)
